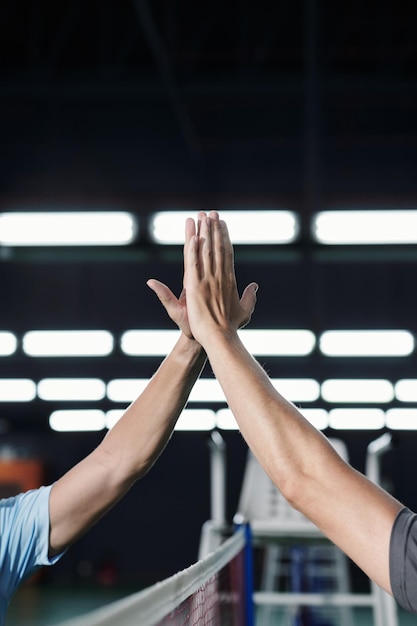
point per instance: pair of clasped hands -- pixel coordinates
(209, 302)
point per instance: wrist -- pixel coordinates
(216, 335)
(188, 348)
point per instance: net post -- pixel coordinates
(248, 573)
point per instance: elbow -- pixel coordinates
(297, 487)
(292, 488)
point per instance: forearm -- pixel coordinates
(94, 485)
(353, 512)
(266, 419)
(138, 438)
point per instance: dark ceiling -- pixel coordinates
(312, 102)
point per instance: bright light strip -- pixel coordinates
(401, 419)
(406, 390)
(374, 391)
(319, 418)
(297, 389)
(126, 389)
(73, 228)
(8, 343)
(226, 420)
(77, 420)
(196, 420)
(17, 390)
(207, 390)
(366, 343)
(356, 419)
(71, 389)
(60, 343)
(365, 227)
(245, 227)
(189, 420)
(278, 342)
(113, 416)
(258, 342)
(148, 342)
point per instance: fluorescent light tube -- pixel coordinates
(17, 390)
(406, 390)
(226, 420)
(72, 228)
(374, 391)
(71, 389)
(245, 227)
(278, 342)
(356, 419)
(196, 420)
(401, 419)
(207, 390)
(319, 418)
(365, 227)
(148, 342)
(8, 343)
(59, 343)
(126, 389)
(113, 416)
(258, 342)
(190, 419)
(77, 420)
(366, 343)
(297, 389)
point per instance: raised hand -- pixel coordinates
(177, 307)
(213, 301)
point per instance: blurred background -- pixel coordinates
(146, 107)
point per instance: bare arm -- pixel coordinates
(130, 448)
(353, 512)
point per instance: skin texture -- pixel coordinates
(353, 512)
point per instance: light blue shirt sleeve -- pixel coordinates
(24, 540)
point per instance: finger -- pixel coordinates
(217, 243)
(190, 231)
(202, 215)
(248, 302)
(205, 246)
(228, 255)
(192, 266)
(163, 292)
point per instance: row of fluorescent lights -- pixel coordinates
(335, 390)
(265, 342)
(206, 420)
(268, 227)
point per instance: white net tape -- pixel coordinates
(150, 606)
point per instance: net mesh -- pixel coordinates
(212, 592)
(220, 601)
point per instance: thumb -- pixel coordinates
(163, 292)
(248, 299)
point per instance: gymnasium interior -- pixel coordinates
(157, 109)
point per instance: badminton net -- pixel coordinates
(215, 591)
